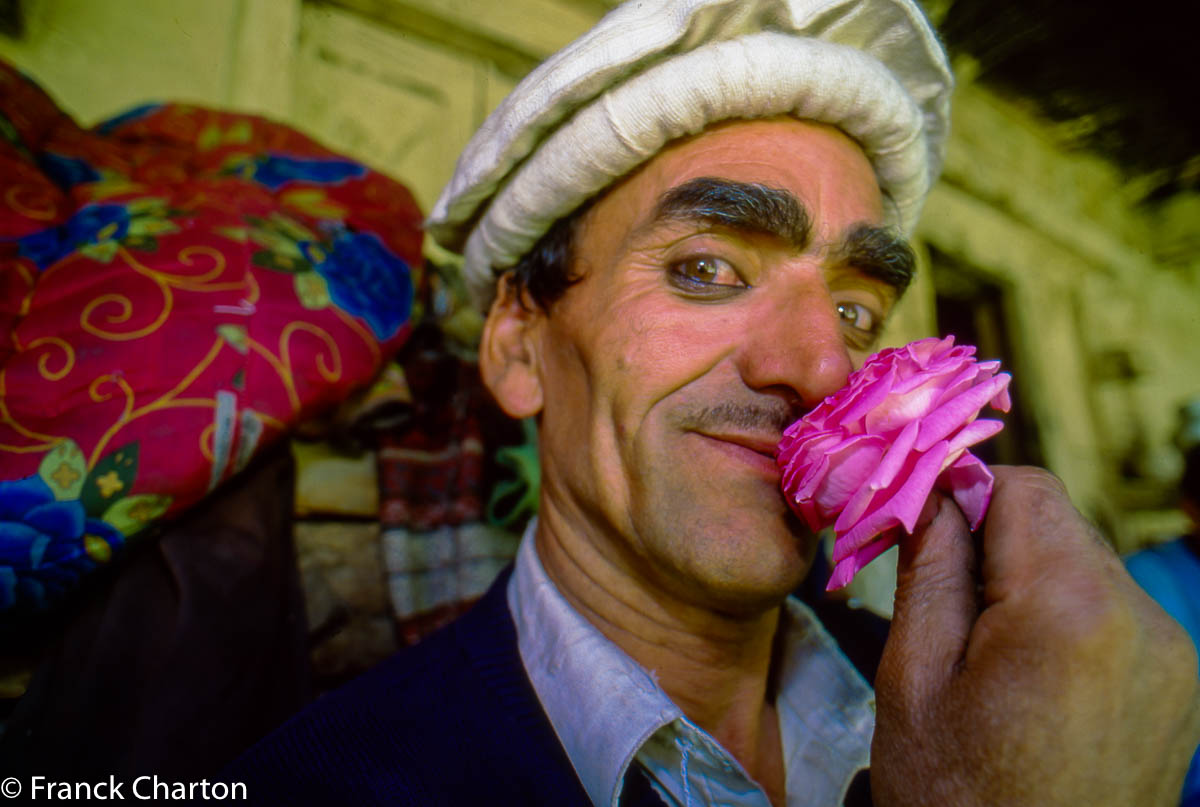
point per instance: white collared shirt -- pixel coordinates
(608, 711)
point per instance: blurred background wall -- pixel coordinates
(1062, 237)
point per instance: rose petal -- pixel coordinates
(808, 511)
(866, 458)
(925, 349)
(1002, 402)
(882, 543)
(833, 459)
(941, 423)
(845, 570)
(975, 432)
(970, 482)
(866, 498)
(858, 408)
(843, 573)
(900, 507)
(795, 457)
(810, 473)
(963, 380)
(863, 501)
(910, 499)
(893, 460)
(920, 377)
(900, 408)
(849, 469)
(865, 531)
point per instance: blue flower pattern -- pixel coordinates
(276, 170)
(45, 541)
(66, 172)
(365, 279)
(90, 225)
(42, 552)
(137, 113)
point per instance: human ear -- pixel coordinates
(508, 351)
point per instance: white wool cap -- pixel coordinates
(652, 71)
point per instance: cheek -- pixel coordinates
(655, 353)
(564, 370)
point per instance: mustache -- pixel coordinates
(774, 417)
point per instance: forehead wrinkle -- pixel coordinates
(742, 206)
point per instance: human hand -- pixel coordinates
(1041, 676)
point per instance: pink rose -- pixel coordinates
(866, 459)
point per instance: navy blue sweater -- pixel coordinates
(451, 721)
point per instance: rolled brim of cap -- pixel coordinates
(522, 172)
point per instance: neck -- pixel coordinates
(715, 666)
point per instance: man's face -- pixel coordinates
(709, 315)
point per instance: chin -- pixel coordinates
(745, 570)
(744, 601)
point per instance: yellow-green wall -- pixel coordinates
(98, 57)
(401, 84)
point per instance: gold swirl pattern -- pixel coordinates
(44, 359)
(30, 281)
(124, 315)
(94, 358)
(186, 257)
(368, 339)
(38, 449)
(167, 400)
(328, 365)
(180, 403)
(100, 397)
(331, 374)
(195, 372)
(206, 438)
(47, 211)
(48, 441)
(167, 281)
(284, 373)
(185, 282)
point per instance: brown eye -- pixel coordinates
(706, 270)
(857, 316)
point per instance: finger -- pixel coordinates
(935, 605)
(1033, 535)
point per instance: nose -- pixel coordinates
(794, 344)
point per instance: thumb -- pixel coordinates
(936, 603)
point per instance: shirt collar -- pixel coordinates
(604, 706)
(826, 711)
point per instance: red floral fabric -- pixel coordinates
(178, 287)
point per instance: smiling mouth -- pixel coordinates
(753, 449)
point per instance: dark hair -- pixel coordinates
(544, 272)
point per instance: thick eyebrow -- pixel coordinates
(745, 206)
(877, 252)
(880, 253)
